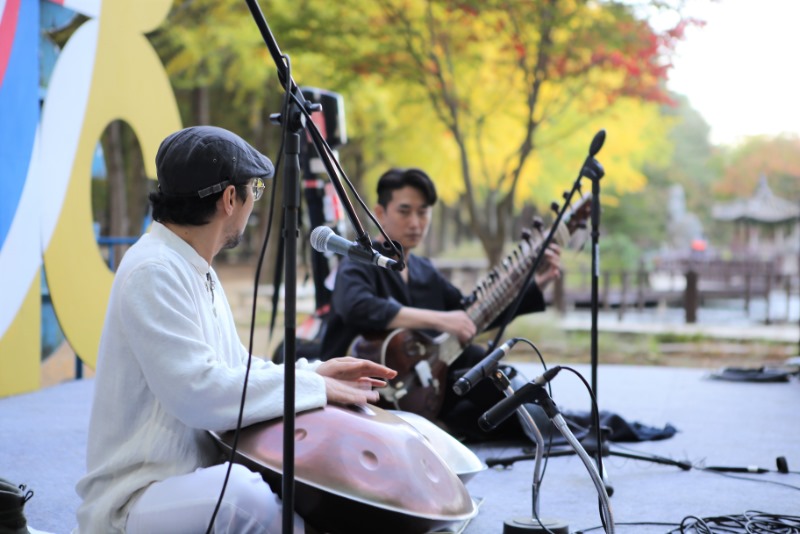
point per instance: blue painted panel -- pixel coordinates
(19, 112)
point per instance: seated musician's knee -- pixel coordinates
(248, 505)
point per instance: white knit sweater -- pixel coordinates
(170, 367)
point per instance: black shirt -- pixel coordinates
(366, 298)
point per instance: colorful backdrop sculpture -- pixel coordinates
(107, 71)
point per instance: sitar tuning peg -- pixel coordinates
(554, 205)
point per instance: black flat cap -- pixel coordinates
(202, 160)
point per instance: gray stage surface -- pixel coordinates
(43, 436)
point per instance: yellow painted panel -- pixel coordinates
(128, 83)
(21, 346)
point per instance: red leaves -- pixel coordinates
(519, 49)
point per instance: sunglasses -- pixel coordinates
(258, 188)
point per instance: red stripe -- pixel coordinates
(8, 29)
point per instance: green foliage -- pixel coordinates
(498, 100)
(618, 252)
(99, 190)
(678, 337)
(640, 218)
(694, 164)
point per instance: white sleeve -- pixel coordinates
(185, 373)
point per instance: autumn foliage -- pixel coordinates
(497, 99)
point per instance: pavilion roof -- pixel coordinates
(762, 207)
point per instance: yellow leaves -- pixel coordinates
(414, 138)
(424, 80)
(636, 133)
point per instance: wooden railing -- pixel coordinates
(686, 285)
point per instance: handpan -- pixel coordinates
(358, 469)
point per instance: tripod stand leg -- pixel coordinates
(528, 525)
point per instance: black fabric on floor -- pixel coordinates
(462, 417)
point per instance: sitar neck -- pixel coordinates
(495, 291)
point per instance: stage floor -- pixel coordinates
(720, 423)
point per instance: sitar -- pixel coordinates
(422, 361)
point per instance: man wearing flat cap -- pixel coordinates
(171, 366)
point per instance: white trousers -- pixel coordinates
(184, 504)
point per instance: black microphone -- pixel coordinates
(323, 239)
(533, 389)
(484, 368)
(597, 143)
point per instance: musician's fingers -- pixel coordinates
(367, 397)
(365, 368)
(466, 333)
(552, 257)
(470, 329)
(377, 370)
(340, 392)
(369, 382)
(554, 248)
(349, 368)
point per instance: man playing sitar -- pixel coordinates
(425, 313)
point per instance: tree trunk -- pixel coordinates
(117, 194)
(139, 185)
(459, 222)
(442, 228)
(201, 105)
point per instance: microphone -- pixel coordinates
(532, 390)
(484, 368)
(597, 143)
(323, 239)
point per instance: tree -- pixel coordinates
(692, 164)
(493, 80)
(497, 99)
(777, 158)
(223, 75)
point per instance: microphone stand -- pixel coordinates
(537, 394)
(533, 524)
(588, 166)
(595, 173)
(298, 110)
(592, 170)
(294, 123)
(605, 504)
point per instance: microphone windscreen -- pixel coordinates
(597, 143)
(319, 238)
